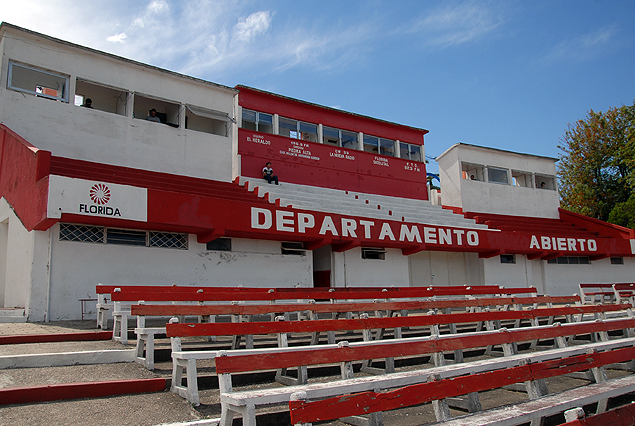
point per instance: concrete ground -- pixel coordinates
(164, 407)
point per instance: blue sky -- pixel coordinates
(503, 74)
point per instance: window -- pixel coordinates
(496, 175)
(570, 260)
(103, 98)
(81, 233)
(258, 121)
(409, 151)
(308, 132)
(168, 112)
(617, 261)
(206, 120)
(103, 235)
(473, 171)
(288, 127)
(126, 237)
(545, 182)
(349, 139)
(371, 144)
(521, 179)
(330, 136)
(220, 244)
(293, 248)
(387, 147)
(38, 82)
(373, 253)
(508, 258)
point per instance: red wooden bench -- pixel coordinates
(239, 312)
(186, 360)
(195, 294)
(622, 416)
(438, 388)
(624, 293)
(244, 403)
(597, 293)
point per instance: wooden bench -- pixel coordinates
(437, 388)
(244, 403)
(597, 293)
(622, 416)
(186, 360)
(624, 293)
(194, 294)
(240, 312)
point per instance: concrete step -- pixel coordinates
(12, 315)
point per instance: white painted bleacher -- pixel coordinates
(373, 206)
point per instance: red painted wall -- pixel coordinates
(326, 166)
(24, 179)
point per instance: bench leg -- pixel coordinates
(190, 391)
(102, 318)
(145, 342)
(228, 411)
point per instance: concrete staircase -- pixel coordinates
(357, 204)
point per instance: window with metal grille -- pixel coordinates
(100, 234)
(168, 240)
(81, 233)
(374, 253)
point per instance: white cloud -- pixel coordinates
(117, 38)
(255, 24)
(457, 24)
(582, 48)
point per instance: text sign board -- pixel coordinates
(93, 198)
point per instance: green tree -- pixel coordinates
(597, 162)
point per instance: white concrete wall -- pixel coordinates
(25, 273)
(486, 197)
(99, 136)
(79, 267)
(350, 270)
(444, 268)
(564, 279)
(506, 274)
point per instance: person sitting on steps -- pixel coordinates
(267, 173)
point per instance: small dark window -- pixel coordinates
(617, 261)
(373, 253)
(570, 260)
(126, 236)
(293, 248)
(508, 258)
(220, 244)
(584, 260)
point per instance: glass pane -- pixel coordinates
(415, 153)
(249, 119)
(38, 82)
(265, 122)
(497, 175)
(349, 140)
(288, 128)
(330, 136)
(404, 150)
(387, 147)
(371, 144)
(308, 132)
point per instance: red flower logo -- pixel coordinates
(100, 194)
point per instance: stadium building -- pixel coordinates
(112, 192)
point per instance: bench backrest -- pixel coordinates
(314, 326)
(210, 294)
(261, 309)
(436, 388)
(237, 363)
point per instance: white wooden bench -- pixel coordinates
(278, 358)
(244, 403)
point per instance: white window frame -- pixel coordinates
(65, 90)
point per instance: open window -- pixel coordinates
(101, 97)
(38, 82)
(293, 248)
(207, 120)
(546, 182)
(373, 253)
(521, 179)
(168, 112)
(473, 171)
